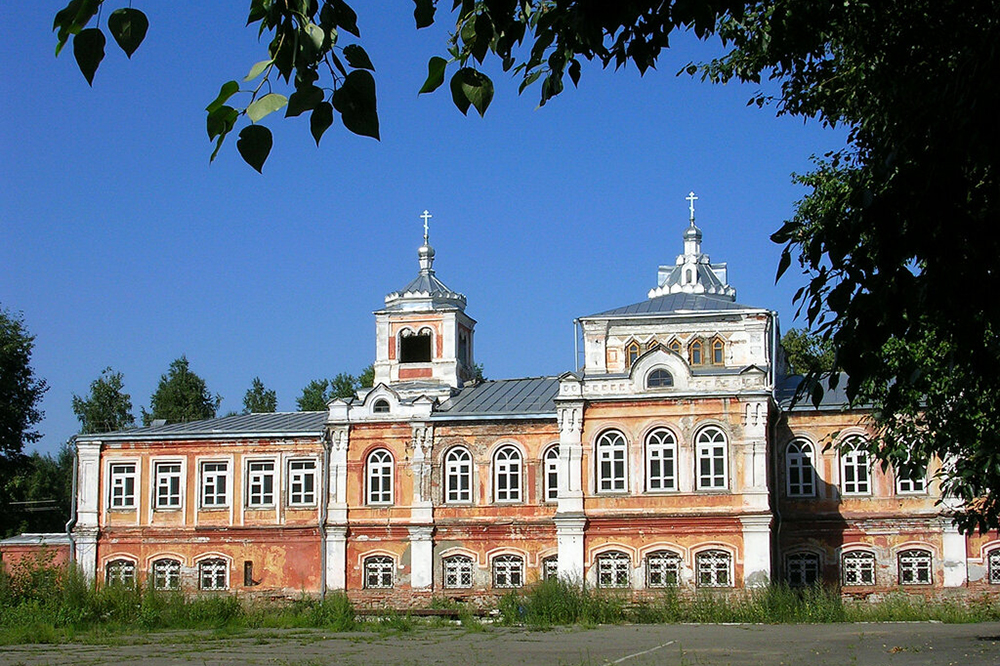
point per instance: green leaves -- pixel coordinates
(267, 104)
(471, 87)
(423, 13)
(255, 145)
(88, 49)
(320, 120)
(355, 101)
(435, 75)
(128, 26)
(71, 19)
(357, 57)
(258, 69)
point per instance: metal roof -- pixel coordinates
(37, 539)
(253, 425)
(504, 397)
(674, 303)
(833, 399)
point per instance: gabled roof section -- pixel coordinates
(674, 303)
(503, 398)
(280, 424)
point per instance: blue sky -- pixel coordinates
(122, 246)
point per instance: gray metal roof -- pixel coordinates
(37, 539)
(253, 425)
(504, 397)
(833, 399)
(671, 303)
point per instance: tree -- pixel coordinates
(108, 408)
(40, 494)
(367, 377)
(317, 393)
(181, 396)
(259, 399)
(314, 396)
(806, 352)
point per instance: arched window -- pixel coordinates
(551, 461)
(457, 572)
(712, 456)
(915, 567)
(507, 474)
(697, 352)
(663, 569)
(632, 351)
(857, 567)
(661, 460)
(993, 562)
(508, 571)
(379, 474)
(166, 574)
(800, 471)
(675, 346)
(120, 572)
(550, 567)
(911, 485)
(802, 569)
(659, 378)
(611, 450)
(613, 569)
(652, 344)
(213, 574)
(854, 467)
(378, 572)
(714, 568)
(458, 475)
(381, 406)
(718, 352)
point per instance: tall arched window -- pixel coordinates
(632, 351)
(613, 569)
(800, 472)
(458, 475)
(379, 476)
(166, 574)
(854, 467)
(718, 352)
(507, 474)
(697, 352)
(551, 462)
(712, 456)
(611, 455)
(661, 460)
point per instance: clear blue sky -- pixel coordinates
(122, 246)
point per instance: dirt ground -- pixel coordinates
(912, 644)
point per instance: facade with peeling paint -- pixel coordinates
(671, 458)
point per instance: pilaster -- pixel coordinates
(88, 504)
(336, 508)
(756, 550)
(422, 443)
(569, 536)
(421, 556)
(336, 557)
(953, 551)
(570, 419)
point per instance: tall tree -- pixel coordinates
(367, 377)
(181, 396)
(107, 408)
(259, 399)
(314, 396)
(807, 352)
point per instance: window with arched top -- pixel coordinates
(652, 344)
(379, 477)
(508, 571)
(378, 572)
(661, 460)
(802, 569)
(696, 352)
(550, 567)
(551, 478)
(712, 455)
(166, 574)
(915, 567)
(714, 568)
(381, 406)
(993, 564)
(613, 569)
(718, 352)
(507, 474)
(663, 569)
(458, 571)
(855, 469)
(458, 475)
(632, 351)
(800, 470)
(857, 567)
(611, 449)
(675, 346)
(659, 378)
(415, 347)
(213, 574)
(120, 572)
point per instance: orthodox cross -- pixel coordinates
(691, 198)
(426, 216)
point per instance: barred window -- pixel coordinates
(711, 451)
(213, 574)
(458, 475)
(661, 460)
(508, 571)
(802, 569)
(663, 569)
(507, 475)
(611, 452)
(120, 572)
(379, 477)
(552, 474)
(993, 562)
(800, 471)
(613, 569)
(858, 568)
(458, 572)
(550, 567)
(166, 574)
(378, 572)
(915, 567)
(713, 568)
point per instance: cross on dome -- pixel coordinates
(426, 216)
(690, 198)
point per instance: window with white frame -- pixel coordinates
(661, 460)
(458, 475)
(712, 455)
(855, 469)
(379, 572)
(507, 475)
(214, 485)
(508, 571)
(613, 569)
(166, 574)
(381, 406)
(800, 469)
(167, 484)
(550, 567)
(213, 574)
(120, 572)
(260, 483)
(802, 569)
(379, 476)
(611, 455)
(122, 486)
(911, 485)
(993, 564)
(551, 462)
(659, 378)
(714, 568)
(663, 569)
(915, 567)
(458, 571)
(858, 568)
(301, 482)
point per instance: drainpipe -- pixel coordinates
(71, 523)
(775, 467)
(324, 499)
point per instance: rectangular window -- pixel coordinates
(168, 485)
(122, 486)
(260, 483)
(302, 482)
(214, 489)
(915, 485)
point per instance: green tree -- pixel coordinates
(807, 352)
(107, 408)
(259, 399)
(343, 386)
(367, 377)
(314, 396)
(181, 396)
(39, 494)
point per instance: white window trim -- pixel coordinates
(385, 564)
(176, 574)
(227, 475)
(811, 457)
(858, 555)
(248, 502)
(615, 480)
(135, 475)
(550, 466)
(290, 480)
(459, 562)
(666, 555)
(615, 563)
(501, 469)
(469, 474)
(670, 446)
(716, 553)
(509, 562)
(705, 450)
(155, 483)
(915, 568)
(922, 480)
(214, 560)
(369, 470)
(853, 448)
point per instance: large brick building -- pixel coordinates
(672, 457)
